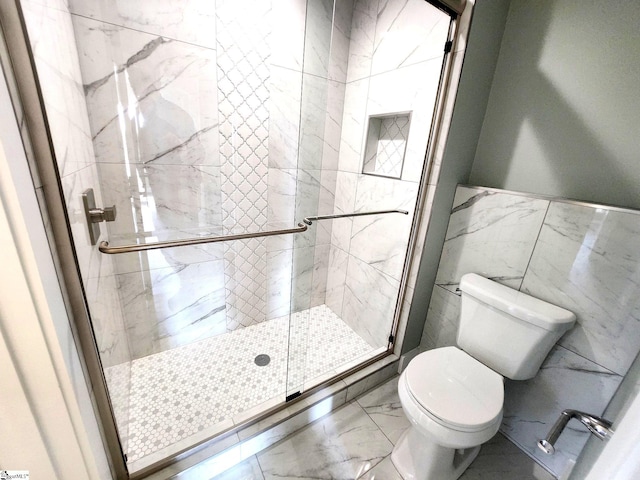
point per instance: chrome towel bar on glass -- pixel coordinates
(302, 226)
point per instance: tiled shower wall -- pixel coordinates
(582, 257)
(196, 127)
(154, 87)
(228, 120)
(395, 57)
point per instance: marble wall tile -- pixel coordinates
(336, 277)
(360, 442)
(346, 184)
(302, 278)
(186, 20)
(407, 32)
(306, 202)
(150, 99)
(588, 261)
(370, 238)
(166, 257)
(565, 380)
(340, 40)
(353, 126)
(320, 272)
(287, 36)
(107, 320)
(53, 44)
(279, 274)
(281, 207)
(172, 306)
(412, 89)
(326, 202)
(312, 124)
(285, 96)
(328, 182)
(363, 28)
(583, 258)
(279, 242)
(492, 234)
(157, 198)
(333, 125)
(317, 45)
(369, 301)
(443, 319)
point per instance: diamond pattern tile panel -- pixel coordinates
(243, 97)
(391, 146)
(179, 392)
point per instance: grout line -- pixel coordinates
(544, 218)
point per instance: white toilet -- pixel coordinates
(453, 396)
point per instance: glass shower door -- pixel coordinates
(370, 80)
(245, 116)
(185, 130)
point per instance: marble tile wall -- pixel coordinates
(395, 56)
(154, 127)
(322, 98)
(581, 257)
(196, 131)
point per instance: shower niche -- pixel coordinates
(386, 144)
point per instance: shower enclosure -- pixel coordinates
(198, 121)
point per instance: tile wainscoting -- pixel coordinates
(579, 256)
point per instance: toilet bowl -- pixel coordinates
(454, 404)
(453, 396)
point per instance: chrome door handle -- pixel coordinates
(95, 215)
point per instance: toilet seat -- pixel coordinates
(455, 389)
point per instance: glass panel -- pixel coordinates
(244, 116)
(372, 64)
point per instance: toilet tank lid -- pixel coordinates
(517, 304)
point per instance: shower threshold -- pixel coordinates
(178, 398)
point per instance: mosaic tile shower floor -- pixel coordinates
(181, 392)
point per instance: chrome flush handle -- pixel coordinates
(599, 426)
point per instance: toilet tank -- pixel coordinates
(507, 330)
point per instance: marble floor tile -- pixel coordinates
(334, 447)
(247, 470)
(499, 458)
(385, 470)
(352, 442)
(383, 406)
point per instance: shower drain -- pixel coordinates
(262, 360)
